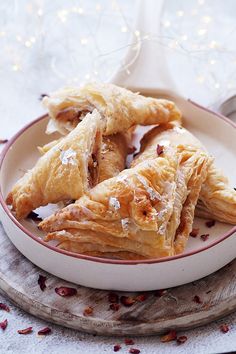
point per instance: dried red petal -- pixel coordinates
(210, 223)
(41, 282)
(88, 311)
(25, 331)
(171, 335)
(44, 331)
(131, 150)
(194, 232)
(197, 299)
(64, 291)
(159, 293)
(141, 297)
(113, 298)
(4, 324)
(129, 341)
(3, 141)
(34, 216)
(4, 307)
(114, 307)
(159, 149)
(134, 351)
(204, 237)
(117, 347)
(181, 339)
(127, 301)
(224, 328)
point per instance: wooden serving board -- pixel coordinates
(175, 309)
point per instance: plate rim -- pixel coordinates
(98, 259)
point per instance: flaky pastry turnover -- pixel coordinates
(65, 171)
(120, 108)
(217, 200)
(145, 212)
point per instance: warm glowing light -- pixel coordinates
(28, 44)
(206, 19)
(137, 33)
(2, 33)
(180, 13)
(212, 61)
(84, 41)
(166, 24)
(124, 29)
(201, 32)
(200, 79)
(213, 44)
(15, 67)
(62, 14)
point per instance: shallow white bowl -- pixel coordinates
(200, 258)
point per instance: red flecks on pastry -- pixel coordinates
(171, 335)
(64, 291)
(181, 339)
(127, 301)
(205, 237)
(4, 324)
(114, 307)
(197, 299)
(224, 328)
(44, 331)
(160, 149)
(25, 331)
(88, 311)
(113, 297)
(210, 223)
(41, 282)
(131, 150)
(194, 232)
(141, 297)
(4, 307)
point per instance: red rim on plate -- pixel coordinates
(97, 259)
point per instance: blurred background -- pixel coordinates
(46, 45)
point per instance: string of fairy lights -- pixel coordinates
(92, 39)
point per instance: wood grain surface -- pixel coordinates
(175, 309)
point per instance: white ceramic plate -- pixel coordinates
(200, 258)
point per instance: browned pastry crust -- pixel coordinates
(119, 108)
(146, 210)
(64, 172)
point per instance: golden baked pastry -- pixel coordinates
(64, 172)
(145, 212)
(119, 108)
(217, 200)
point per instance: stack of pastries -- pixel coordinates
(141, 212)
